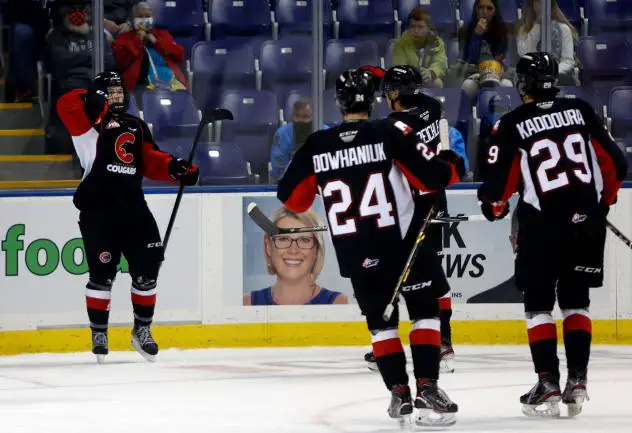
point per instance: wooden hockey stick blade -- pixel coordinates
(259, 218)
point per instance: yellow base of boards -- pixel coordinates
(286, 335)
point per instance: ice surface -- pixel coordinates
(297, 390)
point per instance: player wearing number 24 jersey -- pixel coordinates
(567, 169)
(364, 171)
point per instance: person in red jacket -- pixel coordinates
(147, 56)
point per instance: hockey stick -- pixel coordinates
(444, 134)
(388, 311)
(458, 219)
(270, 228)
(618, 234)
(208, 116)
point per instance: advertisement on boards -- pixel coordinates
(43, 269)
(302, 269)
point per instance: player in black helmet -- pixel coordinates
(557, 154)
(116, 151)
(402, 88)
(364, 170)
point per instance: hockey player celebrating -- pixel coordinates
(567, 169)
(116, 151)
(402, 86)
(363, 170)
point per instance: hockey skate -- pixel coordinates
(435, 409)
(100, 345)
(543, 399)
(446, 363)
(575, 393)
(401, 405)
(370, 361)
(144, 343)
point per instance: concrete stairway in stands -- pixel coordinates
(23, 162)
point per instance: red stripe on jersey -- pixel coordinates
(412, 179)
(445, 304)
(71, 110)
(425, 336)
(303, 195)
(513, 180)
(97, 304)
(611, 184)
(454, 178)
(577, 322)
(156, 163)
(546, 331)
(387, 347)
(146, 301)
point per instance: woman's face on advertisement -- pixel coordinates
(292, 256)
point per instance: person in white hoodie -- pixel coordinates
(563, 38)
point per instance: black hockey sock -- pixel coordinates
(577, 339)
(143, 301)
(445, 314)
(390, 357)
(543, 343)
(425, 345)
(98, 305)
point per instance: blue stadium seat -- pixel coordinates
(256, 118)
(240, 20)
(132, 108)
(286, 65)
(374, 19)
(607, 16)
(508, 11)
(171, 114)
(587, 94)
(222, 164)
(620, 111)
(348, 54)
(295, 17)
(443, 13)
(572, 12)
(606, 63)
(509, 96)
(183, 18)
(218, 66)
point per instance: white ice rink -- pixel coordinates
(304, 390)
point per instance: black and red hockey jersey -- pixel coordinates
(558, 155)
(363, 170)
(116, 152)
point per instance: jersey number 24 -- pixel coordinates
(373, 203)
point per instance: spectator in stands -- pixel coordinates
(148, 57)
(421, 47)
(289, 137)
(69, 60)
(457, 144)
(483, 45)
(29, 23)
(116, 14)
(297, 261)
(563, 38)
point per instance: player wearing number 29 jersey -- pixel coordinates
(364, 171)
(567, 169)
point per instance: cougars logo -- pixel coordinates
(121, 147)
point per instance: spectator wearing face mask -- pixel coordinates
(149, 57)
(290, 137)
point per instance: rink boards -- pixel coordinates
(215, 257)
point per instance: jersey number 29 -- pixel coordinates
(550, 176)
(373, 203)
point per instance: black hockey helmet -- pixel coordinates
(355, 91)
(537, 74)
(402, 78)
(106, 80)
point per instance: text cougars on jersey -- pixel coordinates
(549, 121)
(114, 168)
(349, 157)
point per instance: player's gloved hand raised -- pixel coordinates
(96, 105)
(454, 159)
(184, 173)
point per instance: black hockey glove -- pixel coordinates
(184, 173)
(453, 158)
(96, 105)
(493, 213)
